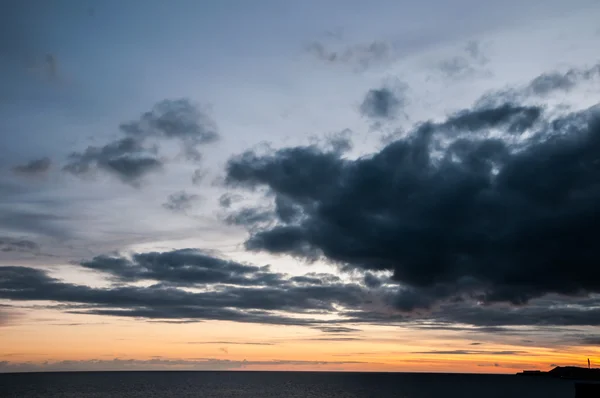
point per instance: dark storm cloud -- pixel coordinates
(234, 303)
(126, 159)
(8, 244)
(180, 201)
(479, 220)
(131, 157)
(35, 167)
(382, 103)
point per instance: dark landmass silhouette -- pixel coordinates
(566, 372)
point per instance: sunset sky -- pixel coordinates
(299, 185)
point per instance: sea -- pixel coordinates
(278, 384)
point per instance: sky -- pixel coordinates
(317, 185)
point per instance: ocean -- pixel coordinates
(278, 384)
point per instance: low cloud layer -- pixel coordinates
(156, 364)
(8, 244)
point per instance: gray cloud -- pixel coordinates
(253, 304)
(544, 85)
(180, 201)
(497, 216)
(248, 216)
(468, 64)
(556, 81)
(8, 244)
(590, 340)
(337, 329)
(34, 167)
(198, 176)
(126, 158)
(383, 103)
(185, 267)
(227, 199)
(131, 157)
(361, 55)
(26, 221)
(174, 119)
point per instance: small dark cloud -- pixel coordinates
(180, 201)
(174, 119)
(485, 365)
(544, 85)
(227, 199)
(476, 343)
(126, 159)
(513, 118)
(337, 329)
(548, 83)
(8, 244)
(135, 155)
(383, 103)
(34, 167)
(249, 216)
(360, 56)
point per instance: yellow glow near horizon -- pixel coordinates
(50, 336)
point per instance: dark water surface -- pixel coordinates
(278, 384)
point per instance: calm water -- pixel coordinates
(277, 384)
